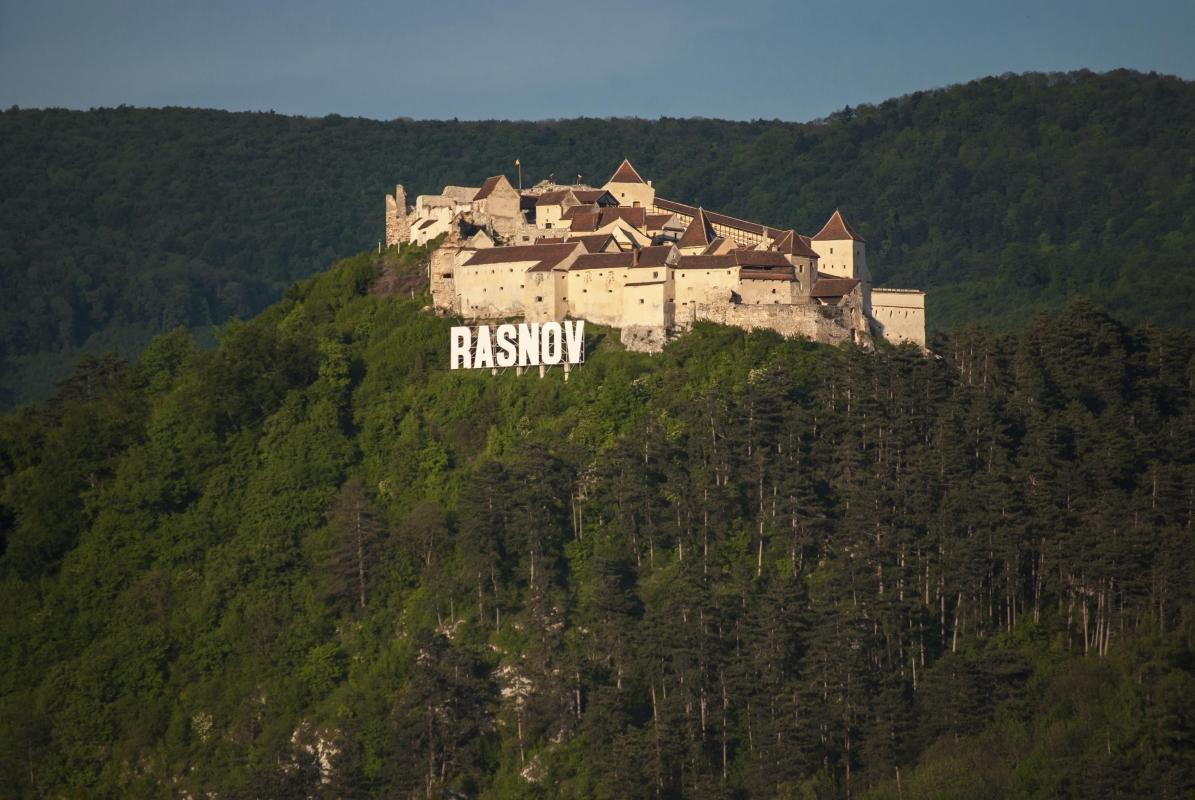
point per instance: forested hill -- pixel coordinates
(1002, 197)
(312, 562)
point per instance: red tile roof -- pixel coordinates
(832, 287)
(707, 262)
(635, 216)
(717, 242)
(594, 243)
(719, 219)
(767, 275)
(656, 256)
(761, 258)
(584, 221)
(625, 174)
(655, 222)
(489, 186)
(547, 256)
(595, 196)
(794, 244)
(588, 208)
(591, 221)
(836, 230)
(699, 233)
(605, 260)
(554, 198)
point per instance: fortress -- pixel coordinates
(619, 255)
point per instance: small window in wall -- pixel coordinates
(831, 250)
(640, 301)
(446, 275)
(520, 286)
(773, 291)
(584, 291)
(655, 274)
(525, 239)
(539, 299)
(548, 225)
(635, 204)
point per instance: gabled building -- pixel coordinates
(621, 256)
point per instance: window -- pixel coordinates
(548, 225)
(655, 274)
(640, 301)
(539, 299)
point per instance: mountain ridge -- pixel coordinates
(1001, 196)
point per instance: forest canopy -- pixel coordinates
(312, 561)
(1002, 197)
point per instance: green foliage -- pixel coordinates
(312, 561)
(1002, 197)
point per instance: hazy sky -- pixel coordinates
(522, 59)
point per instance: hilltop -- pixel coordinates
(1001, 197)
(311, 561)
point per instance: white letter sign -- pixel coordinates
(530, 344)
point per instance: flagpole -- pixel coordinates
(520, 166)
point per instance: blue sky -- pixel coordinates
(473, 59)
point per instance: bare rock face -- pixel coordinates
(643, 339)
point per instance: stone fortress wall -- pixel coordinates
(620, 256)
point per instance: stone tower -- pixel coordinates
(843, 254)
(398, 229)
(442, 268)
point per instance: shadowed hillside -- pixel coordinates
(311, 561)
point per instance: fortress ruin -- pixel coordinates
(619, 255)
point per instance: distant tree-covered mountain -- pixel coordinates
(1002, 197)
(313, 562)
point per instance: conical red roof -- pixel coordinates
(836, 230)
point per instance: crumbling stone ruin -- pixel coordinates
(619, 255)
